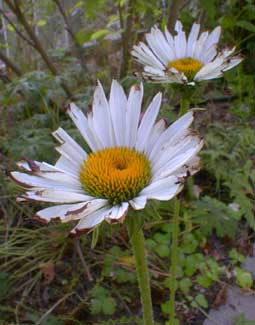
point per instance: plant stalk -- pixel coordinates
(184, 106)
(174, 259)
(138, 246)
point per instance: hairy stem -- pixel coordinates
(138, 246)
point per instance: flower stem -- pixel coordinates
(174, 259)
(184, 106)
(138, 246)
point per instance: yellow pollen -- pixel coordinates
(188, 66)
(117, 174)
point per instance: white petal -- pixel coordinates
(101, 117)
(213, 38)
(177, 162)
(212, 68)
(168, 152)
(54, 196)
(67, 166)
(133, 114)
(232, 63)
(89, 222)
(117, 213)
(198, 51)
(156, 131)
(163, 189)
(177, 129)
(68, 212)
(190, 168)
(38, 182)
(165, 48)
(180, 42)
(81, 123)
(170, 41)
(147, 122)
(157, 46)
(118, 104)
(138, 202)
(144, 55)
(70, 147)
(192, 39)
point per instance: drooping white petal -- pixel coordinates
(163, 189)
(148, 122)
(90, 221)
(212, 68)
(68, 212)
(117, 213)
(102, 123)
(118, 104)
(81, 123)
(133, 114)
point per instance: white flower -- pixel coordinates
(131, 161)
(181, 59)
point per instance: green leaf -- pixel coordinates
(244, 278)
(109, 306)
(246, 25)
(95, 236)
(41, 23)
(185, 285)
(99, 34)
(201, 300)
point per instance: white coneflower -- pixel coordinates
(131, 161)
(181, 59)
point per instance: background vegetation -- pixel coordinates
(52, 52)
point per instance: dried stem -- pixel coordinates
(77, 245)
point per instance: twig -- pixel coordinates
(77, 245)
(53, 307)
(78, 47)
(10, 64)
(18, 32)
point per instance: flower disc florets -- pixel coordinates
(188, 66)
(117, 174)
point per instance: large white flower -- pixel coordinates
(181, 59)
(132, 159)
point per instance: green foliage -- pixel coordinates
(244, 278)
(212, 214)
(102, 301)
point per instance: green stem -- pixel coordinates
(138, 246)
(174, 260)
(184, 106)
